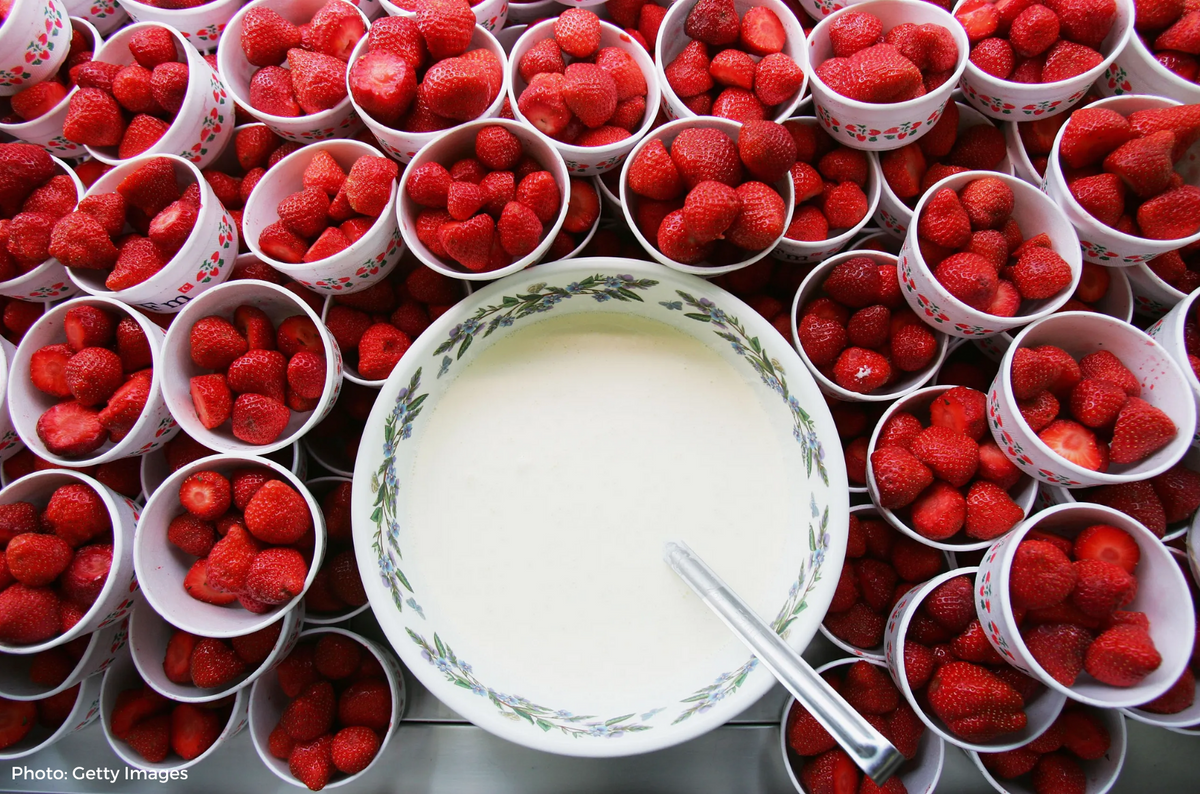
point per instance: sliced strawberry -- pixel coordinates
(1110, 544)
(177, 664)
(212, 399)
(197, 586)
(47, 369)
(1075, 443)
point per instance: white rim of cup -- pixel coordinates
(18, 282)
(1184, 430)
(903, 618)
(732, 129)
(263, 689)
(21, 389)
(92, 661)
(330, 618)
(44, 483)
(149, 667)
(813, 283)
(931, 745)
(200, 619)
(1148, 544)
(1176, 83)
(121, 673)
(89, 693)
(455, 139)
(154, 463)
(78, 23)
(176, 389)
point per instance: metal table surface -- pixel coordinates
(437, 752)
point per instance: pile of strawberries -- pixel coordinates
(881, 566)
(34, 195)
(375, 327)
(829, 181)
(1089, 411)
(1165, 501)
(420, 75)
(315, 53)
(129, 106)
(102, 376)
(747, 77)
(252, 536)
(154, 726)
(337, 587)
(855, 422)
(869, 690)
(1069, 598)
(20, 717)
(333, 209)
(211, 663)
(597, 99)
(1051, 761)
(17, 316)
(56, 561)
(978, 253)
(723, 215)
(868, 66)
(336, 439)
(1037, 136)
(1171, 30)
(946, 474)
(340, 709)
(1028, 42)
(859, 333)
(37, 100)
(1121, 169)
(1179, 269)
(271, 371)
(486, 211)
(956, 673)
(943, 151)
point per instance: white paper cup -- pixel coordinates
(203, 125)
(278, 303)
(154, 465)
(919, 776)
(1035, 213)
(667, 133)
(1100, 773)
(319, 488)
(368, 259)
(46, 130)
(893, 215)
(338, 121)
(149, 634)
(48, 281)
(587, 160)
(1161, 590)
(123, 675)
(404, 146)
(10, 442)
(1017, 156)
(117, 596)
(1024, 492)
(84, 712)
(34, 39)
(907, 383)
(1081, 333)
(201, 26)
(161, 567)
(267, 702)
(880, 127)
(1041, 710)
(509, 35)
(457, 143)
(672, 40)
(491, 15)
(204, 261)
(1168, 332)
(27, 403)
(105, 15)
(1004, 99)
(1135, 70)
(1152, 297)
(102, 647)
(1103, 244)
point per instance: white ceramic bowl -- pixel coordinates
(455, 144)
(123, 675)
(267, 702)
(48, 281)
(34, 39)
(1035, 213)
(116, 597)
(1081, 333)
(27, 403)
(1168, 332)
(1041, 710)
(410, 626)
(1161, 589)
(161, 567)
(85, 711)
(204, 261)
(102, 647)
(367, 260)
(667, 133)
(149, 633)
(880, 127)
(278, 303)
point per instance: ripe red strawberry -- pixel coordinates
(151, 187)
(1096, 403)
(949, 454)
(195, 583)
(704, 153)
(854, 282)
(1032, 373)
(28, 614)
(1144, 164)
(990, 511)
(1040, 273)
(904, 169)
(974, 703)
(266, 37)
(384, 85)
(177, 664)
(821, 339)
(1084, 734)
(336, 656)
(1085, 21)
(713, 22)
(35, 560)
(212, 399)
(334, 30)
(79, 240)
(1067, 59)
(1039, 411)
(318, 80)
(138, 259)
(214, 664)
(944, 220)
(276, 576)
(258, 419)
(93, 118)
(271, 92)
(1140, 431)
(860, 370)
(1041, 575)
(1101, 587)
(859, 625)
(458, 88)
(366, 703)
(1122, 656)
(960, 409)
(968, 277)
(1091, 135)
(939, 512)
(1102, 542)
(1170, 215)
(206, 495)
(312, 762)
(369, 184)
(215, 343)
(47, 369)
(805, 735)
(899, 476)
(1136, 499)
(1178, 489)
(192, 535)
(545, 56)
(71, 429)
(869, 689)
(854, 31)
(1102, 195)
(354, 748)
(988, 202)
(760, 221)
(577, 32)
(1059, 649)
(277, 514)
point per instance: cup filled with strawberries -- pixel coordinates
(1158, 58)
(1179, 333)
(34, 725)
(43, 32)
(337, 593)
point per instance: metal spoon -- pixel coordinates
(867, 746)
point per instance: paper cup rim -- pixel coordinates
(89, 687)
(17, 281)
